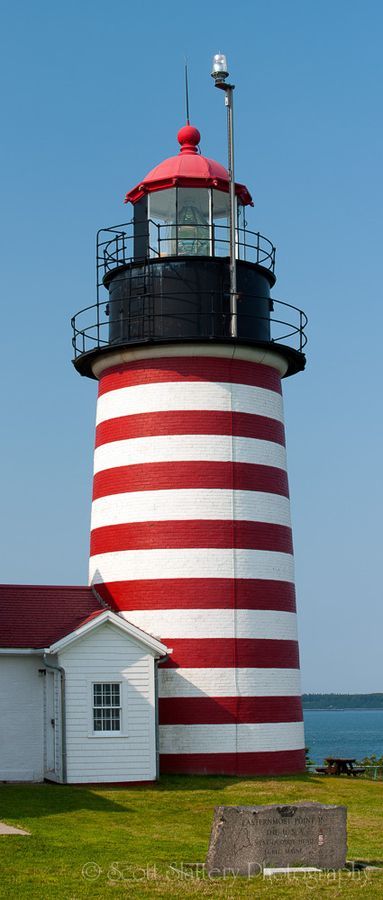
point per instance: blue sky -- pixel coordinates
(94, 99)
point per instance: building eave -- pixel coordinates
(153, 644)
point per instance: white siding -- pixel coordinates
(106, 654)
(21, 718)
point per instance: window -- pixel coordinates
(193, 213)
(221, 223)
(107, 706)
(162, 214)
(179, 222)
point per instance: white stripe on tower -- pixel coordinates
(224, 682)
(212, 447)
(181, 505)
(201, 562)
(255, 737)
(191, 541)
(188, 395)
(221, 623)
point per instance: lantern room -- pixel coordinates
(165, 275)
(181, 208)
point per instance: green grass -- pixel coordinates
(135, 835)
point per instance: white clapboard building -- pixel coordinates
(77, 689)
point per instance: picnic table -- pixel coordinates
(340, 765)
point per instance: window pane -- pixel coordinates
(221, 218)
(115, 720)
(115, 694)
(162, 206)
(106, 694)
(97, 695)
(193, 217)
(221, 207)
(161, 214)
(97, 719)
(106, 719)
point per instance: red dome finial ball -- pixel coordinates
(189, 138)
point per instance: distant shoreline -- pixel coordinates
(343, 701)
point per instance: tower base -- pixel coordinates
(292, 762)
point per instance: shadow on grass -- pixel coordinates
(219, 782)
(21, 801)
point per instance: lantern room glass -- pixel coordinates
(189, 222)
(221, 222)
(193, 222)
(162, 213)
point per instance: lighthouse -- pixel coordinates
(190, 532)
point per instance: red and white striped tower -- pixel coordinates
(191, 534)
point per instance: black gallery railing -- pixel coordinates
(117, 322)
(116, 245)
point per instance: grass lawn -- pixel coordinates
(134, 836)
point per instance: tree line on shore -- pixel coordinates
(342, 701)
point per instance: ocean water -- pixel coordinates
(343, 732)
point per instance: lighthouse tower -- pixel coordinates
(191, 536)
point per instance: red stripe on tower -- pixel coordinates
(194, 422)
(199, 593)
(191, 541)
(229, 652)
(266, 763)
(191, 533)
(191, 475)
(188, 369)
(226, 710)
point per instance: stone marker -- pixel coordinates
(245, 839)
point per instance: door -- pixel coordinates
(52, 749)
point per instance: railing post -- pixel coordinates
(98, 323)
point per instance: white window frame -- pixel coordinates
(106, 733)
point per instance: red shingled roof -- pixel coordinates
(36, 616)
(188, 169)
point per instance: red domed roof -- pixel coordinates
(188, 169)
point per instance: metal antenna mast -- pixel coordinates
(187, 93)
(220, 73)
